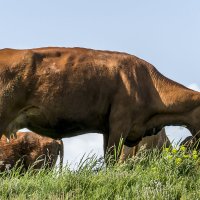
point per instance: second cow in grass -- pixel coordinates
(147, 143)
(30, 150)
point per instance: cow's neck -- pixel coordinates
(175, 105)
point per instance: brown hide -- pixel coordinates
(29, 150)
(63, 92)
(147, 143)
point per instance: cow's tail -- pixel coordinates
(61, 150)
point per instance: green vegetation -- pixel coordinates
(173, 174)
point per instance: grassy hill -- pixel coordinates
(171, 175)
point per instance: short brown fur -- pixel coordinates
(63, 92)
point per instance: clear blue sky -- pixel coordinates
(165, 33)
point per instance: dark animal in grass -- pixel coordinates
(30, 150)
(190, 143)
(158, 141)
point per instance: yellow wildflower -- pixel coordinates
(169, 157)
(185, 156)
(167, 149)
(195, 156)
(194, 152)
(178, 160)
(174, 151)
(182, 148)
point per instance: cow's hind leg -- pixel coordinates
(33, 119)
(18, 123)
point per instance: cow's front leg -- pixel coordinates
(122, 128)
(115, 143)
(119, 129)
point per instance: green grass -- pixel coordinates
(171, 175)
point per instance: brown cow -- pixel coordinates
(30, 150)
(63, 92)
(147, 143)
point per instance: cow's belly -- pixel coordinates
(59, 125)
(64, 128)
